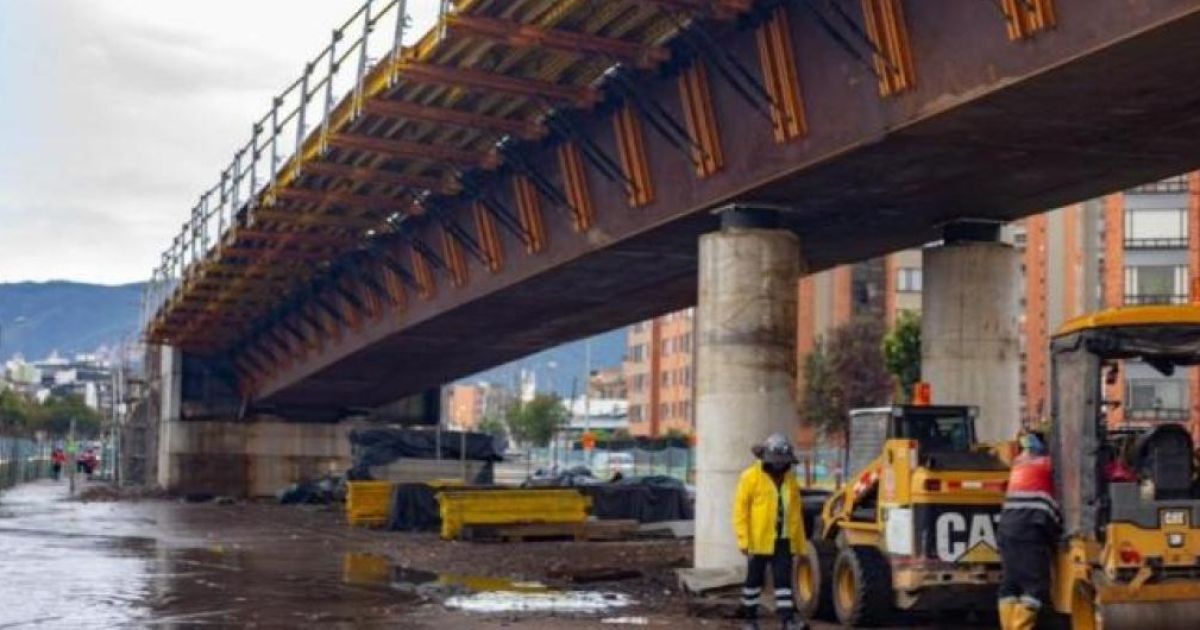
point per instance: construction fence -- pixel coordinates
(671, 461)
(21, 460)
(818, 467)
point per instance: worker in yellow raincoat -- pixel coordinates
(768, 521)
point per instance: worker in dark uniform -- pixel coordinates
(768, 521)
(1030, 524)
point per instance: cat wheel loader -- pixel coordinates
(1130, 498)
(915, 528)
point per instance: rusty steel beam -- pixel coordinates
(345, 199)
(327, 220)
(408, 150)
(302, 238)
(718, 8)
(457, 118)
(367, 175)
(493, 82)
(520, 35)
(277, 252)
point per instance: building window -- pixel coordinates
(635, 413)
(1156, 284)
(664, 410)
(1157, 399)
(1176, 184)
(637, 353)
(1156, 229)
(638, 383)
(908, 279)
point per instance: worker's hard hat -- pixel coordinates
(1032, 443)
(776, 449)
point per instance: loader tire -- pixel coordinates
(862, 587)
(814, 580)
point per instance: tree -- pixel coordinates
(820, 397)
(15, 413)
(846, 372)
(535, 422)
(902, 353)
(493, 426)
(56, 414)
(22, 416)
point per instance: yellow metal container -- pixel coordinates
(461, 508)
(368, 503)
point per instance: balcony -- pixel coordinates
(1180, 242)
(1157, 415)
(1149, 299)
(1177, 184)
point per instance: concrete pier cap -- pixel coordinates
(745, 362)
(970, 325)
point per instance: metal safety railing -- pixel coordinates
(1157, 243)
(299, 116)
(1176, 184)
(1147, 299)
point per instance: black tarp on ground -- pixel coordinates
(382, 446)
(414, 509)
(642, 502)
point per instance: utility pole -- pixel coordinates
(72, 449)
(587, 396)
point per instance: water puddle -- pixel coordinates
(477, 594)
(566, 602)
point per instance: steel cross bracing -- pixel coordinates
(315, 194)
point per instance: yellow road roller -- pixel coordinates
(1130, 497)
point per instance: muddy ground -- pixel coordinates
(153, 562)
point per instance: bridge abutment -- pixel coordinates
(204, 446)
(970, 329)
(745, 363)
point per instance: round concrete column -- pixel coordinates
(745, 368)
(970, 339)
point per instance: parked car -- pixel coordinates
(620, 463)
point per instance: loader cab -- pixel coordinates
(943, 433)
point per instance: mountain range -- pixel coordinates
(37, 318)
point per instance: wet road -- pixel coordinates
(166, 564)
(162, 564)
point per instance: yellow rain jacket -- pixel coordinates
(754, 512)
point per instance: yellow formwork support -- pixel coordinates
(461, 508)
(368, 503)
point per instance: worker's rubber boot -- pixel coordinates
(750, 624)
(1007, 608)
(1024, 617)
(793, 624)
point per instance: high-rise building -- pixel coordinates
(658, 375)
(469, 404)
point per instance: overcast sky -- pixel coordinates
(116, 114)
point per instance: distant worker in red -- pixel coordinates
(768, 521)
(57, 459)
(1030, 524)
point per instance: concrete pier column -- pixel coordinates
(169, 393)
(745, 363)
(970, 334)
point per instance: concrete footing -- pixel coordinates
(970, 339)
(745, 368)
(250, 459)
